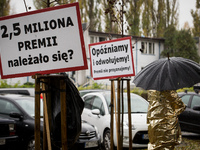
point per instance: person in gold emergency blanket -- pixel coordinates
(163, 126)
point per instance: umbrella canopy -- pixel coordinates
(168, 74)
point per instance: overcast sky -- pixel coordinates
(185, 6)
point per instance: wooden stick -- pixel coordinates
(111, 115)
(129, 114)
(115, 106)
(118, 115)
(37, 113)
(63, 114)
(46, 118)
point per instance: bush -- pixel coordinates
(94, 85)
(140, 92)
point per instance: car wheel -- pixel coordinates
(106, 140)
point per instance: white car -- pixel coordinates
(97, 112)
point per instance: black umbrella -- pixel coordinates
(168, 74)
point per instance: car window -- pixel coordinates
(88, 102)
(185, 99)
(195, 101)
(7, 107)
(138, 104)
(98, 104)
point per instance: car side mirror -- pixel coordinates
(196, 108)
(16, 115)
(96, 112)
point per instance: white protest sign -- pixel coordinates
(43, 41)
(112, 59)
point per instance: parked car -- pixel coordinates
(83, 92)
(190, 119)
(8, 137)
(22, 109)
(88, 138)
(97, 112)
(22, 91)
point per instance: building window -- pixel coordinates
(144, 47)
(91, 39)
(148, 48)
(101, 39)
(151, 48)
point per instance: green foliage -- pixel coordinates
(4, 7)
(94, 85)
(196, 19)
(185, 46)
(147, 17)
(191, 89)
(4, 84)
(170, 40)
(28, 85)
(180, 44)
(140, 92)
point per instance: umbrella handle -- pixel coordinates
(168, 55)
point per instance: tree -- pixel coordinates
(4, 7)
(180, 44)
(110, 16)
(185, 46)
(162, 16)
(196, 19)
(40, 4)
(133, 17)
(170, 40)
(92, 14)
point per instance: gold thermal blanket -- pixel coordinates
(163, 127)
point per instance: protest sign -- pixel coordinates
(111, 59)
(43, 41)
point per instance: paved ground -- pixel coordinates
(191, 141)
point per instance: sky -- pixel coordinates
(185, 6)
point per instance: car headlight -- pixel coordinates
(11, 127)
(125, 124)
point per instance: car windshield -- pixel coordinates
(29, 105)
(138, 104)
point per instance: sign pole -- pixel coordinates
(118, 114)
(37, 113)
(46, 118)
(111, 114)
(129, 114)
(63, 114)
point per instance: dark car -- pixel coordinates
(190, 119)
(8, 137)
(21, 108)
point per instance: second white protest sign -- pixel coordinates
(112, 59)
